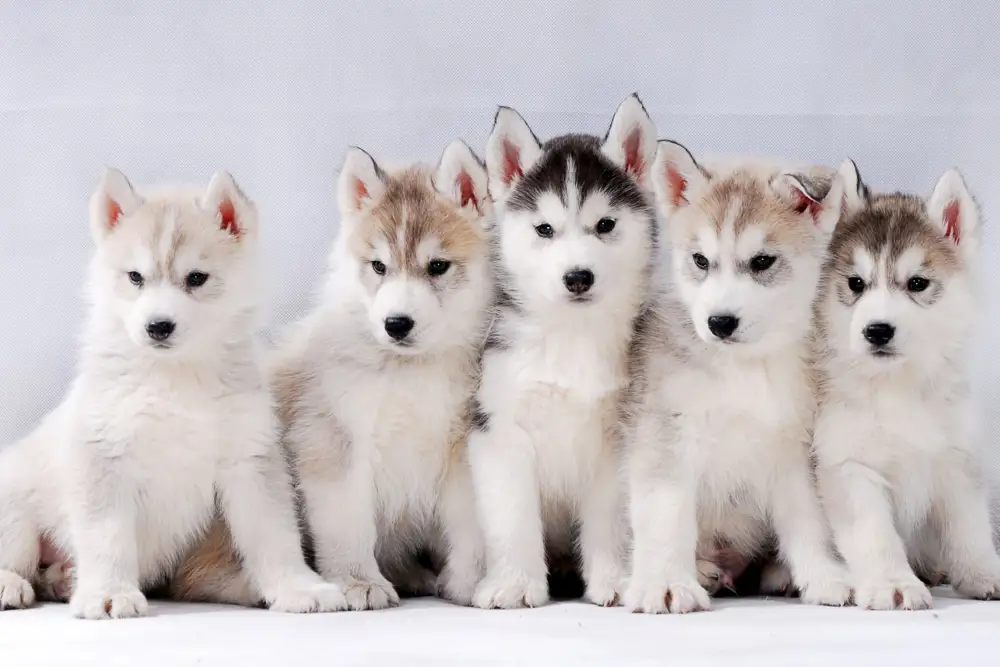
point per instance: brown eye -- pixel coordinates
(856, 284)
(378, 267)
(917, 284)
(700, 261)
(761, 263)
(438, 267)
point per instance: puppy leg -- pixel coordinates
(861, 516)
(963, 520)
(602, 541)
(463, 567)
(508, 499)
(19, 534)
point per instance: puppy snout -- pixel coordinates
(879, 333)
(723, 326)
(160, 329)
(398, 326)
(578, 281)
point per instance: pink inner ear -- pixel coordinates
(511, 162)
(467, 189)
(804, 202)
(360, 192)
(228, 214)
(952, 228)
(114, 212)
(676, 185)
(633, 157)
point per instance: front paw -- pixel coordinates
(369, 593)
(978, 585)
(832, 591)
(511, 591)
(677, 598)
(308, 597)
(118, 601)
(15, 591)
(713, 578)
(909, 593)
(457, 588)
(604, 591)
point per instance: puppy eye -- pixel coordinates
(856, 284)
(760, 263)
(135, 278)
(917, 284)
(195, 279)
(605, 225)
(378, 267)
(438, 267)
(700, 261)
(545, 230)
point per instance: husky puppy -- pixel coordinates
(374, 386)
(724, 404)
(168, 419)
(898, 465)
(575, 238)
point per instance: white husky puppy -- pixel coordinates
(898, 461)
(575, 242)
(167, 421)
(721, 420)
(374, 386)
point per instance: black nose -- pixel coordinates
(723, 326)
(398, 326)
(879, 333)
(579, 281)
(160, 329)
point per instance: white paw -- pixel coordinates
(15, 591)
(604, 591)
(978, 585)
(309, 597)
(776, 579)
(457, 588)
(832, 591)
(713, 578)
(55, 583)
(511, 592)
(909, 593)
(368, 593)
(678, 598)
(122, 601)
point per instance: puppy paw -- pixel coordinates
(831, 592)
(604, 590)
(15, 591)
(367, 593)
(122, 601)
(907, 594)
(309, 597)
(511, 592)
(55, 583)
(978, 585)
(776, 579)
(713, 578)
(676, 598)
(457, 588)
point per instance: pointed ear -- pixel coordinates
(361, 182)
(677, 179)
(114, 199)
(461, 177)
(952, 208)
(631, 140)
(235, 213)
(806, 196)
(856, 193)
(511, 151)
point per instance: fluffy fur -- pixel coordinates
(167, 422)
(724, 399)
(575, 238)
(898, 463)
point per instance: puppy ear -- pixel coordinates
(806, 196)
(461, 177)
(361, 182)
(511, 151)
(954, 211)
(856, 193)
(114, 199)
(235, 213)
(677, 179)
(631, 140)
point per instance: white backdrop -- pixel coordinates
(275, 91)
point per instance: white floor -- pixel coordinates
(429, 632)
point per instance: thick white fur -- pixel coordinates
(126, 473)
(719, 434)
(549, 456)
(898, 460)
(377, 431)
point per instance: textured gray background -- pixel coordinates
(275, 91)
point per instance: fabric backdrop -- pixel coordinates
(274, 92)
